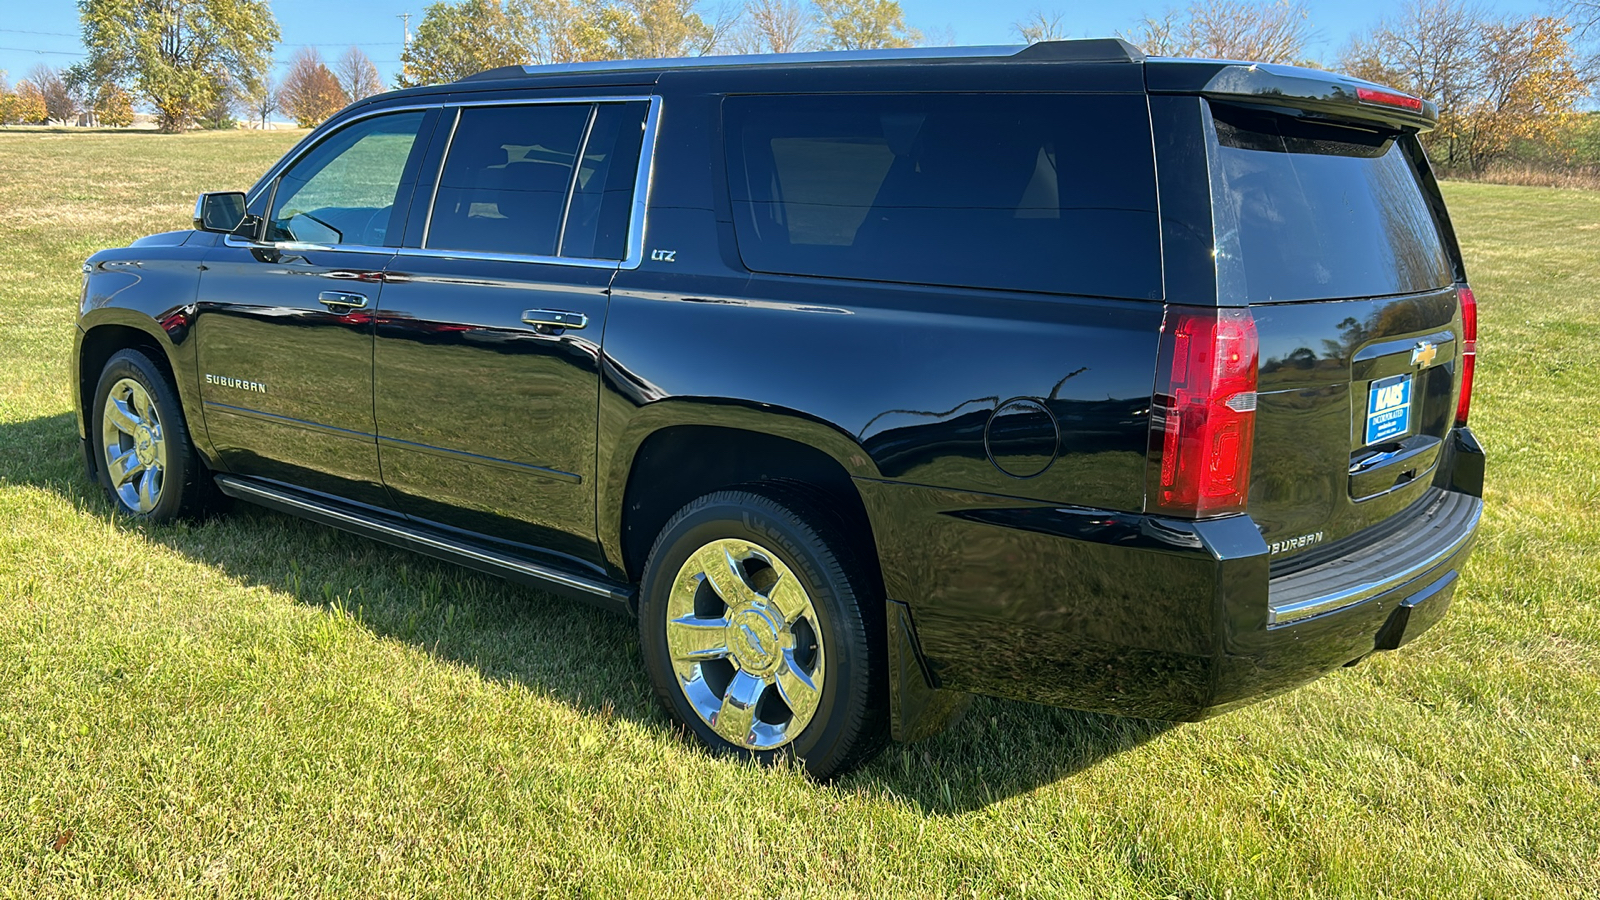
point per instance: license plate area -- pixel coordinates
(1389, 409)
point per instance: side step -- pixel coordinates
(599, 592)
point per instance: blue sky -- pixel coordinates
(47, 32)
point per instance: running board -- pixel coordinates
(606, 594)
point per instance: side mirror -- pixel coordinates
(219, 211)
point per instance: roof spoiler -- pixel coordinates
(1323, 94)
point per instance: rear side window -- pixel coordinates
(539, 180)
(1314, 211)
(1033, 192)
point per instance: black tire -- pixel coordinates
(850, 722)
(184, 489)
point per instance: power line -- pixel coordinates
(32, 50)
(44, 33)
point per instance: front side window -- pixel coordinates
(344, 191)
(1033, 192)
(539, 180)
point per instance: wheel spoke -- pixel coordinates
(797, 688)
(724, 574)
(695, 638)
(124, 467)
(788, 598)
(141, 404)
(149, 488)
(121, 416)
(735, 719)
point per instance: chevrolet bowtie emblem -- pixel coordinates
(1423, 353)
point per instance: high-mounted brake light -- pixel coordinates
(1469, 351)
(1203, 414)
(1378, 97)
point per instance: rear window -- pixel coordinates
(1033, 192)
(1313, 211)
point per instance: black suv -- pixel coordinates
(867, 381)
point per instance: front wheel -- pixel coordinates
(147, 464)
(758, 633)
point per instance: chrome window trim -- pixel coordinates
(572, 180)
(425, 253)
(449, 142)
(636, 217)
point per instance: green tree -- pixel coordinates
(27, 105)
(864, 25)
(113, 106)
(455, 40)
(662, 29)
(178, 54)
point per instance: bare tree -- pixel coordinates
(263, 101)
(1495, 81)
(1252, 30)
(357, 75)
(775, 26)
(1159, 35)
(59, 104)
(1584, 17)
(1040, 26)
(1430, 48)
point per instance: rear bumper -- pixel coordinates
(1146, 616)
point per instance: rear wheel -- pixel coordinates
(752, 626)
(146, 462)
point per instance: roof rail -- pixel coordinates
(1091, 50)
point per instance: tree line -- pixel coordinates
(1499, 81)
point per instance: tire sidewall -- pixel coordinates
(777, 530)
(180, 455)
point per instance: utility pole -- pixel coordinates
(405, 18)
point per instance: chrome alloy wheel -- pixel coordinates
(743, 638)
(133, 445)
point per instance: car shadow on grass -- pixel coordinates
(582, 656)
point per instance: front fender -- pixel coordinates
(145, 296)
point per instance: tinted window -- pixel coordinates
(1320, 211)
(602, 198)
(1032, 192)
(344, 190)
(505, 182)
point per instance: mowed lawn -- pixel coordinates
(257, 706)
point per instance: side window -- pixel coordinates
(1034, 192)
(505, 181)
(344, 190)
(602, 197)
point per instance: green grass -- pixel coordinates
(260, 706)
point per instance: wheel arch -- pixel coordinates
(108, 331)
(666, 466)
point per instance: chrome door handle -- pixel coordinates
(555, 318)
(342, 298)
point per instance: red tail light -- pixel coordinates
(1469, 351)
(1378, 97)
(1203, 416)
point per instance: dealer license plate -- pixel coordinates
(1389, 408)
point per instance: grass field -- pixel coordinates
(257, 706)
